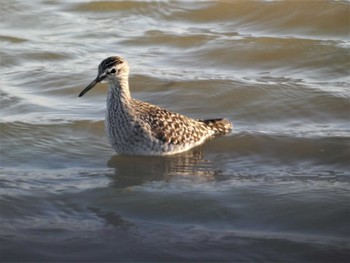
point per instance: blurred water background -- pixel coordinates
(276, 190)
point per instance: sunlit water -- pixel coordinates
(276, 190)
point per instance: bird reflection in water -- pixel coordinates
(137, 170)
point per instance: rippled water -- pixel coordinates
(276, 190)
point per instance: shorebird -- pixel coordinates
(135, 127)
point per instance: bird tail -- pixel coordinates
(219, 126)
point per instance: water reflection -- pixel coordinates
(111, 218)
(136, 170)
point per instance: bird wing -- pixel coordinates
(170, 127)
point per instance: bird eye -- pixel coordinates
(113, 70)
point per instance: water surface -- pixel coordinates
(275, 190)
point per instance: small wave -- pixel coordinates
(285, 149)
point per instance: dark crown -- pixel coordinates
(110, 62)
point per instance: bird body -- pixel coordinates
(134, 127)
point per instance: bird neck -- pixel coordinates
(119, 91)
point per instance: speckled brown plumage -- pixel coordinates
(136, 127)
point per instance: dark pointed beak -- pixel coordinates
(91, 85)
